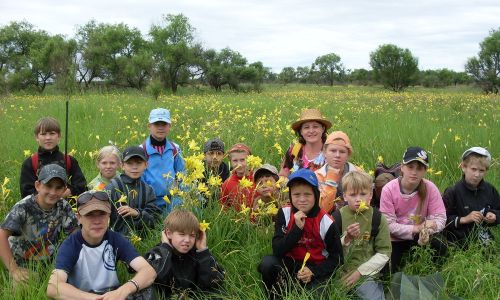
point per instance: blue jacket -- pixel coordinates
(161, 170)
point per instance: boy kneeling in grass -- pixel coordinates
(302, 230)
(182, 260)
(86, 261)
(32, 229)
(366, 239)
(472, 204)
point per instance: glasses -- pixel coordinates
(87, 196)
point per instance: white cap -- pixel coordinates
(478, 150)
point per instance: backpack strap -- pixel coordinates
(118, 184)
(174, 151)
(146, 149)
(35, 161)
(337, 217)
(376, 219)
(295, 150)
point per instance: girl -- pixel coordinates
(108, 161)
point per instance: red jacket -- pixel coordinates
(233, 195)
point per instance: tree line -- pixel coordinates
(169, 56)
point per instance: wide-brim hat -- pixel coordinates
(311, 114)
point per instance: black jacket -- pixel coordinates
(76, 180)
(461, 199)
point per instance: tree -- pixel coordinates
(287, 75)
(485, 68)
(394, 67)
(360, 76)
(224, 67)
(302, 74)
(329, 67)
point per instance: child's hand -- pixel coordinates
(430, 224)
(300, 219)
(490, 217)
(67, 193)
(353, 231)
(201, 242)
(20, 275)
(127, 211)
(305, 275)
(352, 278)
(473, 216)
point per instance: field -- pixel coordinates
(380, 124)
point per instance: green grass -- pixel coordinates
(379, 123)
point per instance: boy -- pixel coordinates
(302, 227)
(86, 261)
(234, 191)
(48, 134)
(265, 179)
(472, 203)
(183, 261)
(164, 159)
(137, 210)
(214, 154)
(366, 239)
(33, 226)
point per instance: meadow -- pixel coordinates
(380, 124)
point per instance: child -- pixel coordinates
(164, 159)
(108, 161)
(86, 261)
(266, 190)
(233, 193)
(134, 202)
(47, 135)
(302, 227)
(183, 260)
(337, 151)
(366, 239)
(472, 202)
(413, 208)
(214, 154)
(33, 226)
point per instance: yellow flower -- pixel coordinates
(97, 137)
(457, 138)
(271, 209)
(202, 187)
(306, 258)
(362, 207)
(27, 152)
(204, 226)
(135, 239)
(380, 159)
(193, 146)
(6, 180)
(245, 183)
(430, 171)
(371, 173)
(438, 173)
(278, 147)
(244, 209)
(165, 198)
(254, 162)
(214, 181)
(415, 218)
(123, 199)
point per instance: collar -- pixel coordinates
(480, 186)
(42, 151)
(126, 179)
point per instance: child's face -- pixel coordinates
(413, 172)
(312, 131)
(94, 225)
(266, 185)
(238, 162)
(302, 196)
(181, 241)
(336, 156)
(214, 158)
(474, 173)
(354, 198)
(48, 140)
(159, 130)
(49, 194)
(108, 166)
(134, 167)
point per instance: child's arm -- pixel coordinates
(150, 213)
(283, 243)
(382, 247)
(59, 288)
(335, 254)
(493, 215)
(436, 218)
(209, 274)
(27, 178)
(17, 273)
(401, 231)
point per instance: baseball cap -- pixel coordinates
(266, 168)
(416, 153)
(159, 115)
(304, 175)
(214, 144)
(339, 138)
(478, 150)
(49, 172)
(240, 147)
(133, 151)
(93, 200)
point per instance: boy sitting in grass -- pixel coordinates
(86, 261)
(47, 135)
(183, 261)
(306, 244)
(472, 204)
(366, 239)
(134, 207)
(214, 164)
(34, 225)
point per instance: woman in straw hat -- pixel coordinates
(307, 153)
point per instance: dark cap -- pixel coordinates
(213, 145)
(51, 171)
(416, 153)
(303, 175)
(133, 151)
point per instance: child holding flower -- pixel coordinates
(366, 239)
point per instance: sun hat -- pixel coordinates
(159, 115)
(51, 171)
(311, 114)
(478, 150)
(339, 138)
(416, 153)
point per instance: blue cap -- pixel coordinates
(159, 115)
(305, 175)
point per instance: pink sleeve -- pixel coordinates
(387, 199)
(436, 210)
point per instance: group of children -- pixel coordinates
(325, 222)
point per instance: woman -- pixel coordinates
(413, 208)
(307, 153)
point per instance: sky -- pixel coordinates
(291, 33)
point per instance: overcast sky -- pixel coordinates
(441, 33)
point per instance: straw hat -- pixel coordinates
(311, 114)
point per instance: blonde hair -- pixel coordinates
(108, 150)
(182, 221)
(478, 159)
(357, 181)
